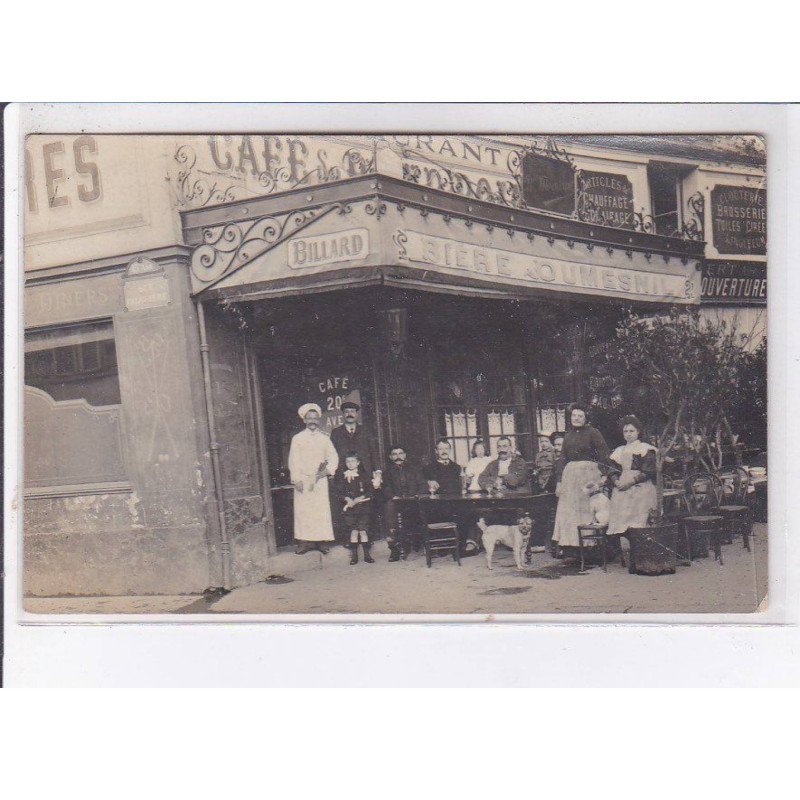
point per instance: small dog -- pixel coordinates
(599, 503)
(514, 536)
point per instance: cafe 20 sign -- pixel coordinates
(739, 220)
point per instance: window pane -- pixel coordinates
(74, 362)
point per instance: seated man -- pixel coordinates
(443, 475)
(444, 478)
(508, 473)
(400, 479)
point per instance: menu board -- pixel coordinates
(739, 220)
(548, 184)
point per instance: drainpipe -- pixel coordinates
(225, 545)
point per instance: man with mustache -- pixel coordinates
(400, 479)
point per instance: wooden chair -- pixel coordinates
(734, 506)
(594, 533)
(703, 493)
(441, 538)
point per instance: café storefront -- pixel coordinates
(453, 286)
(440, 315)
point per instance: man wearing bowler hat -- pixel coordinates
(352, 438)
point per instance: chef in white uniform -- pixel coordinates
(312, 460)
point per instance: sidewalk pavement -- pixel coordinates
(316, 584)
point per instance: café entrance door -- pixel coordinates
(301, 371)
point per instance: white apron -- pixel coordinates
(630, 509)
(312, 510)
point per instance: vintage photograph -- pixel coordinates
(399, 373)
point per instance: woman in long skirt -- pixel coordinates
(634, 490)
(583, 451)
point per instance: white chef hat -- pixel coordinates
(306, 407)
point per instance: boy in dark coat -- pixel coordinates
(354, 490)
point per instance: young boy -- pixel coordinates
(354, 489)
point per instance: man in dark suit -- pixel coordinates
(400, 479)
(352, 438)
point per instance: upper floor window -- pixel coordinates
(666, 195)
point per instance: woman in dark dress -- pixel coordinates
(354, 490)
(583, 453)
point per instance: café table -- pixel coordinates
(466, 508)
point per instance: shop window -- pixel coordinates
(481, 398)
(73, 417)
(554, 395)
(74, 362)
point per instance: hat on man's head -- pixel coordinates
(351, 404)
(306, 407)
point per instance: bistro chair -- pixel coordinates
(441, 538)
(734, 508)
(597, 534)
(703, 493)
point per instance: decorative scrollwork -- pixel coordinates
(399, 238)
(692, 228)
(643, 223)
(355, 164)
(550, 149)
(197, 188)
(227, 247)
(375, 208)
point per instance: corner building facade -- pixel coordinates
(192, 292)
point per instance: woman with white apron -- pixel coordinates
(584, 449)
(634, 494)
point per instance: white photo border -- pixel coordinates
(36, 633)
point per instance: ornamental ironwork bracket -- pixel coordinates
(227, 248)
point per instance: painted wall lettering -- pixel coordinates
(66, 174)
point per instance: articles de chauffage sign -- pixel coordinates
(739, 220)
(605, 198)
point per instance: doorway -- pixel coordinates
(309, 351)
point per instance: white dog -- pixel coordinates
(514, 536)
(599, 504)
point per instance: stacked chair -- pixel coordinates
(704, 522)
(733, 507)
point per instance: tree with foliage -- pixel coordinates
(680, 373)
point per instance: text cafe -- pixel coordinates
(441, 316)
